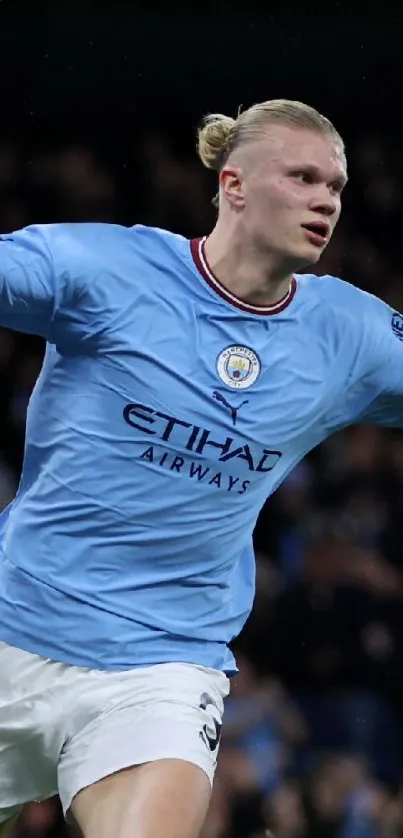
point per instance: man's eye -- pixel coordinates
(304, 177)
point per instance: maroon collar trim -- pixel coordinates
(199, 258)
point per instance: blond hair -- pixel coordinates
(219, 135)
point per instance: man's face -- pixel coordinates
(288, 188)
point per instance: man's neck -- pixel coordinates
(240, 269)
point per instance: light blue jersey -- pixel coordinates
(165, 414)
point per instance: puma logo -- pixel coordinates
(211, 730)
(233, 410)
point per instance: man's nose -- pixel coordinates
(324, 202)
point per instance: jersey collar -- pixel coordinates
(199, 258)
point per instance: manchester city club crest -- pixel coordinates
(238, 367)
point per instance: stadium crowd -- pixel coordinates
(313, 733)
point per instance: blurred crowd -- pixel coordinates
(313, 734)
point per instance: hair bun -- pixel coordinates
(213, 139)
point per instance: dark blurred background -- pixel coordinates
(98, 112)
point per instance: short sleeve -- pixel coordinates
(383, 379)
(370, 389)
(48, 276)
(32, 289)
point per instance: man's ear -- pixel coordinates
(231, 186)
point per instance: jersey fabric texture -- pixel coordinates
(166, 412)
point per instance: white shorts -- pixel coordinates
(63, 727)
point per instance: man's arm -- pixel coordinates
(373, 373)
(383, 381)
(30, 291)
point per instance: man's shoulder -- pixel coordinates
(103, 235)
(333, 293)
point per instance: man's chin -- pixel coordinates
(308, 256)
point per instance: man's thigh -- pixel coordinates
(169, 714)
(168, 797)
(30, 738)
